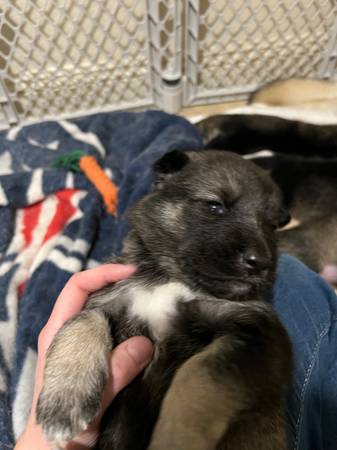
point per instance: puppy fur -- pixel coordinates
(297, 92)
(303, 162)
(204, 242)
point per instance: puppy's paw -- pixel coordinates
(66, 409)
(76, 372)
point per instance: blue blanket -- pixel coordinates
(53, 223)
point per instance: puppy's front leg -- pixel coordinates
(231, 394)
(75, 375)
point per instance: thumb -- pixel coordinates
(128, 359)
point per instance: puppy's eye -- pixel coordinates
(216, 208)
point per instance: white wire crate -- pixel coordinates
(72, 57)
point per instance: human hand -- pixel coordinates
(127, 360)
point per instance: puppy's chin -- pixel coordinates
(234, 288)
(229, 290)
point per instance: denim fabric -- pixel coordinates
(307, 307)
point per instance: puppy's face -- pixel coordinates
(211, 222)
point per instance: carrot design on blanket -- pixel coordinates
(78, 161)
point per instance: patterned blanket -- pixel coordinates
(53, 223)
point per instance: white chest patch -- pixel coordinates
(157, 306)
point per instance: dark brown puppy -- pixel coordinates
(204, 242)
(248, 133)
(303, 162)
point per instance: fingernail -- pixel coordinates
(130, 266)
(140, 349)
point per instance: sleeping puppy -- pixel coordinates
(249, 133)
(204, 243)
(301, 92)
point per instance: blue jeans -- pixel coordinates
(307, 307)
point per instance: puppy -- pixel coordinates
(303, 162)
(297, 92)
(204, 243)
(249, 133)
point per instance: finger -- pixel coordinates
(127, 360)
(75, 293)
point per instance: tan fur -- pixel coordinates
(84, 344)
(197, 409)
(172, 214)
(295, 91)
(292, 224)
(257, 432)
(204, 412)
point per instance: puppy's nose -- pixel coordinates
(254, 263)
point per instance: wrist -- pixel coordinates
(32, 438)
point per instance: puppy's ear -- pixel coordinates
(284, 217)
(169, 164)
